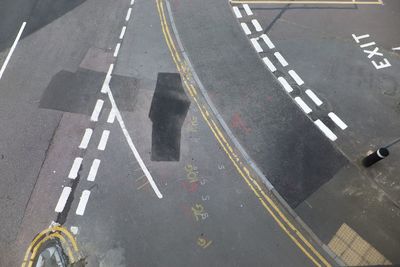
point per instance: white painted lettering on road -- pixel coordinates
(373, 53)
(358, 38)
(381, 64)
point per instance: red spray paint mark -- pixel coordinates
(238, 123)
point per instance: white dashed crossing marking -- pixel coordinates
(267, 41)
(245, 28)
(103, 140)
(93, 170)
(63, 199)
(314, 97)
(281, 59)
(256, 25)
(325, 130)
(303, 105)
(80, 210)
(296, 77)
(256, 45)
(73, 173)
(337, 120)
(97, 110)
(237, 12)
(247, 9)
(269, 64)
(285, 84)
(86, 138)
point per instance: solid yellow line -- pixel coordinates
(214, 128)
(379, 2)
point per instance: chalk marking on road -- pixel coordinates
(314, 97)
(256, 25)
(111, 116)
(63, 199)
(12, 49)
(367, 44)
(116, 51)
(128, 14)
(80, 210)
(325, 130)
(122, 34)
(296, 77)
(245, 28)
(140, 178)
(131, 145)
(73, 173)
(107, 80)
(237, 12)
(103, 140)
(256, 45)
(281, 59)
(93, 170)
(337, 120)
(267, 41)
(285, 84)
(143, 185)
(269, 64)
(303, 105)
(97, 110)
(247, 9)
(396, 48)
(86, 138)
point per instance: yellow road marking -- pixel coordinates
(306, 2)
(244, 172)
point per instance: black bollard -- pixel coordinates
(378, 155)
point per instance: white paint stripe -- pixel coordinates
(269, 64)
(247, 9)
(296, 77)
(245, 28)
(83, 202)
(63, 199)
(281, 59)
(131, 145)
(132, 2)
(128, 14)
(396, 48)
(256, 25)
(285, 84)
(93, 170)
(367, 44)
(303, 105)
(111, 116)
(237, 12)
(267, 41)
(314, 97)
(86, 138)
(116, 51)
(12, 49)
(74, 230)
(122, 34)
(107, 79)
(103, 140)
(256, 45)
(73, 173)
(325, 130)
(97, 110)
(337, 120)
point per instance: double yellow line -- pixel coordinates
(270, 205)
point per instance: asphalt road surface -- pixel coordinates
(79, 166)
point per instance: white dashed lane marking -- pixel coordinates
(247, 9)
(256, 45)
(111, 116)
(107, 80)
(128, 14)
(325, 130)
(103, 140)
(86, 138)
(237, 12)
(296, 77)
(122, 34)
(303, 105)
(281, 59)
(337, 120)
(314, 97)
(93, 170)
(269, 64)
(73, 173)
(80, 210)
(267, 41)
(285, 84)
(97, 110)
(116, 51)
(63, 199)
(256, 25)
(245, 28)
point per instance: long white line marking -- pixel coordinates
(97, 110)
(296, 77)
(237, 12)
(80, 210)
(73, 173)
(93, 170)
(107, 80)
(256, 25)
(303, 105)
(86, 138)
(285, 84)
(269, 64)
(245, 28)
(267, 41)
(247, 9)
(131, 145)
(325, 130)
(314, 97)
(337, 120)
(63, 199)
(122, 34)
(281, 59)
(103, 140)
(111, 116)
(3, 68)
(256, 45)
(128, 14)
(116, 51)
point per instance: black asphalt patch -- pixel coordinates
(78, 92)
